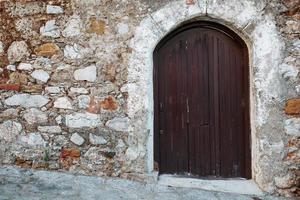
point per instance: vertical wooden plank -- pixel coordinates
(211, 49)
(216, 79)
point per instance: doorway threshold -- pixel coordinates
(238, 186)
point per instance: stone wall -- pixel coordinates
(288, 22)
(72, 84)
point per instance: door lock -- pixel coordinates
(161, 132)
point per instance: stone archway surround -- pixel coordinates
(265, 46)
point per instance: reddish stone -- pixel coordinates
(4, 76)
(295, 142)
(291, 156)
(18, 78)
(190, 2)
(70, 153)
(3, 61)
(32, 88)
(96, 26)
(13, 87)
(294, 13)
(109, 104)
(23, 163)
(40, 165)
(66, 163)
(47, 50)
(67, 157)
(291, 3)
(292, 107)
(94, 106)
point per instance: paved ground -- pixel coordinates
(20, 184)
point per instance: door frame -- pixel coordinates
(227, 31)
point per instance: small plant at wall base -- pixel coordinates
(46, 155)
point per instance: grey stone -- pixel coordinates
(9, 114)
(9, 130)
(1, 47)
(132, 153)
(58, 119)
(63, 103)
(289, 71)
(83, 101)
(17, 51)
(27, 100)
(50, 29)
(94, 155)
(11, 67)
(292, 126)
(73, 27)
(73, 51)
(25, 66)
(96, 140)
(77, 139)
(118, 124)
(35, 116)
(30, 8)
(79, 90)
(33, 139)
(40, 75)
(49, 129)
(297, 88)
(52, 90)
(42, 63)
(69, 186)
(86, 74)
(51, 9)
(83, 120)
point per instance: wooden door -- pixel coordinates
(201, 103)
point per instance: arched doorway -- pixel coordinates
(201, 103)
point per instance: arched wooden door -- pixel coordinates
(202, 124)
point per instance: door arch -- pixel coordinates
(201, 102)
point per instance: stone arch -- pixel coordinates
(265, 47)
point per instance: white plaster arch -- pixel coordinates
(265, 47)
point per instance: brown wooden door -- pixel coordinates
(202, 103)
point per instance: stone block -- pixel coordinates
(292, 107)
(27, 101)
(109, 104)
(10, 130)
(17, 51)
(49, 129)
(96, 26)
(86, 74)
(47, 50)
(52, 9)
(35, 116)
(40, 75)
(118, 124)
(63, 103)
(77, 139)
(83, 120)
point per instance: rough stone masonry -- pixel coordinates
(67, 90)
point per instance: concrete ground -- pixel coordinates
(20, 184)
